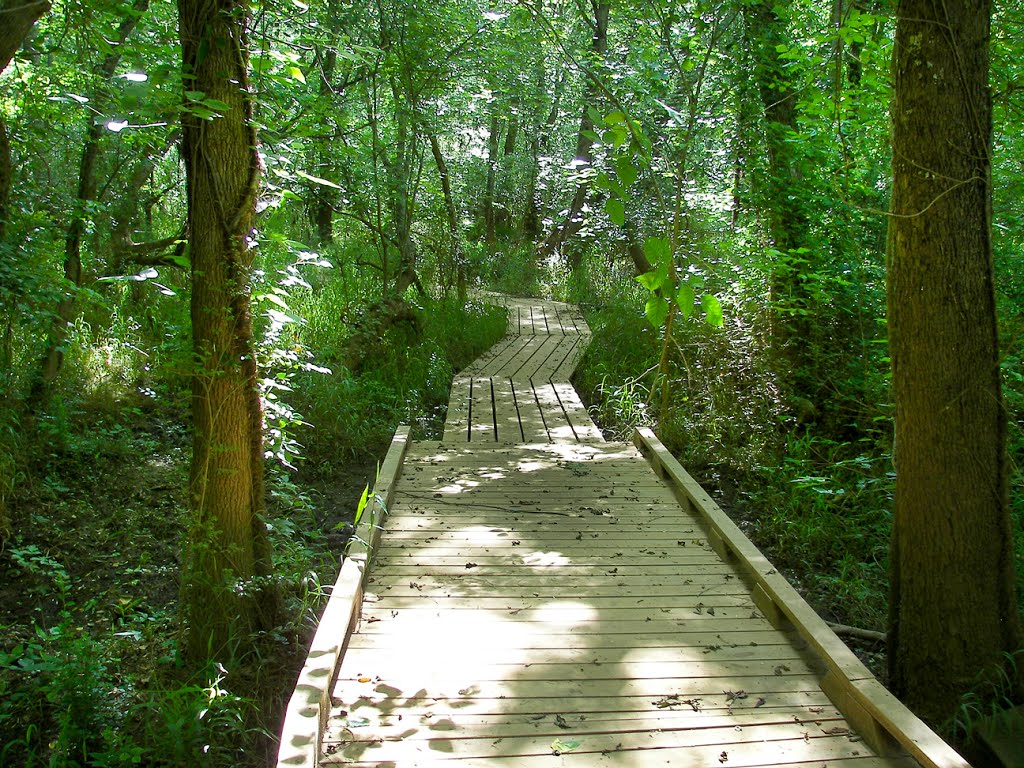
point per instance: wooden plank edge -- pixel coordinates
(310, 703)
(881, 717)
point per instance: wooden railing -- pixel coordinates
(310, 704)
(883, 720)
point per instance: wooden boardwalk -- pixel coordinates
(527, 595)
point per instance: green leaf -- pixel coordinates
(657, 250)
(656, 311)
(361, 507)
(317, 180)
(275, 299)
(712, 310)
(626, 171)
(559, 747)
(616, 211)
(650, 280)
(615, 118)
(296, 74)
(685, 297)
(616, 136)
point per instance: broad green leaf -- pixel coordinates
(652, 280)
(712, 310)
(317, 180)
(656, 311)
(657, 251)
(685, 298)
(275, 299)
(296, 74)
(616, 211)
(615, 118)
(626, 171)
(616, 136)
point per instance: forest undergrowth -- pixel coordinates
(90, 667)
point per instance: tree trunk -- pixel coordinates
(490, 231)
(788, 222)
(225, 596)
(510, 138)
(953, 611)
(18, 17)
(458, 259)
(324, 197)
(573, 220)
(401, 172)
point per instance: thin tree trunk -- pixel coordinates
(510, 138)
(953, 611)
(792, 329)
(458, 258)
(225, 591)
(400, 171)
(324, 197)
(67, 306)
(540, 139)
(573, 220)
(490, 231)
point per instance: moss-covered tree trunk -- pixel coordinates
(953, 610)
(224, 597)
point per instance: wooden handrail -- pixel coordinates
(883, 720)
(310, 703)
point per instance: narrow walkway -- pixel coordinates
(541, 598)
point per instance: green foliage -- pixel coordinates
(989, 700)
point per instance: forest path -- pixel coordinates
(538, 597)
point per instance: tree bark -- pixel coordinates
(225, 592)
(490, 231)
(458, 258)
(18, 16)
(324, 198)
(953, 611)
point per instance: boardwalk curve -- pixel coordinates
(524, 594)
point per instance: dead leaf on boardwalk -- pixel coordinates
(560, 722)
(731, 696)
(781, 668)
(470, 565)
(761, 701)
(724, 757)
(671, 700)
